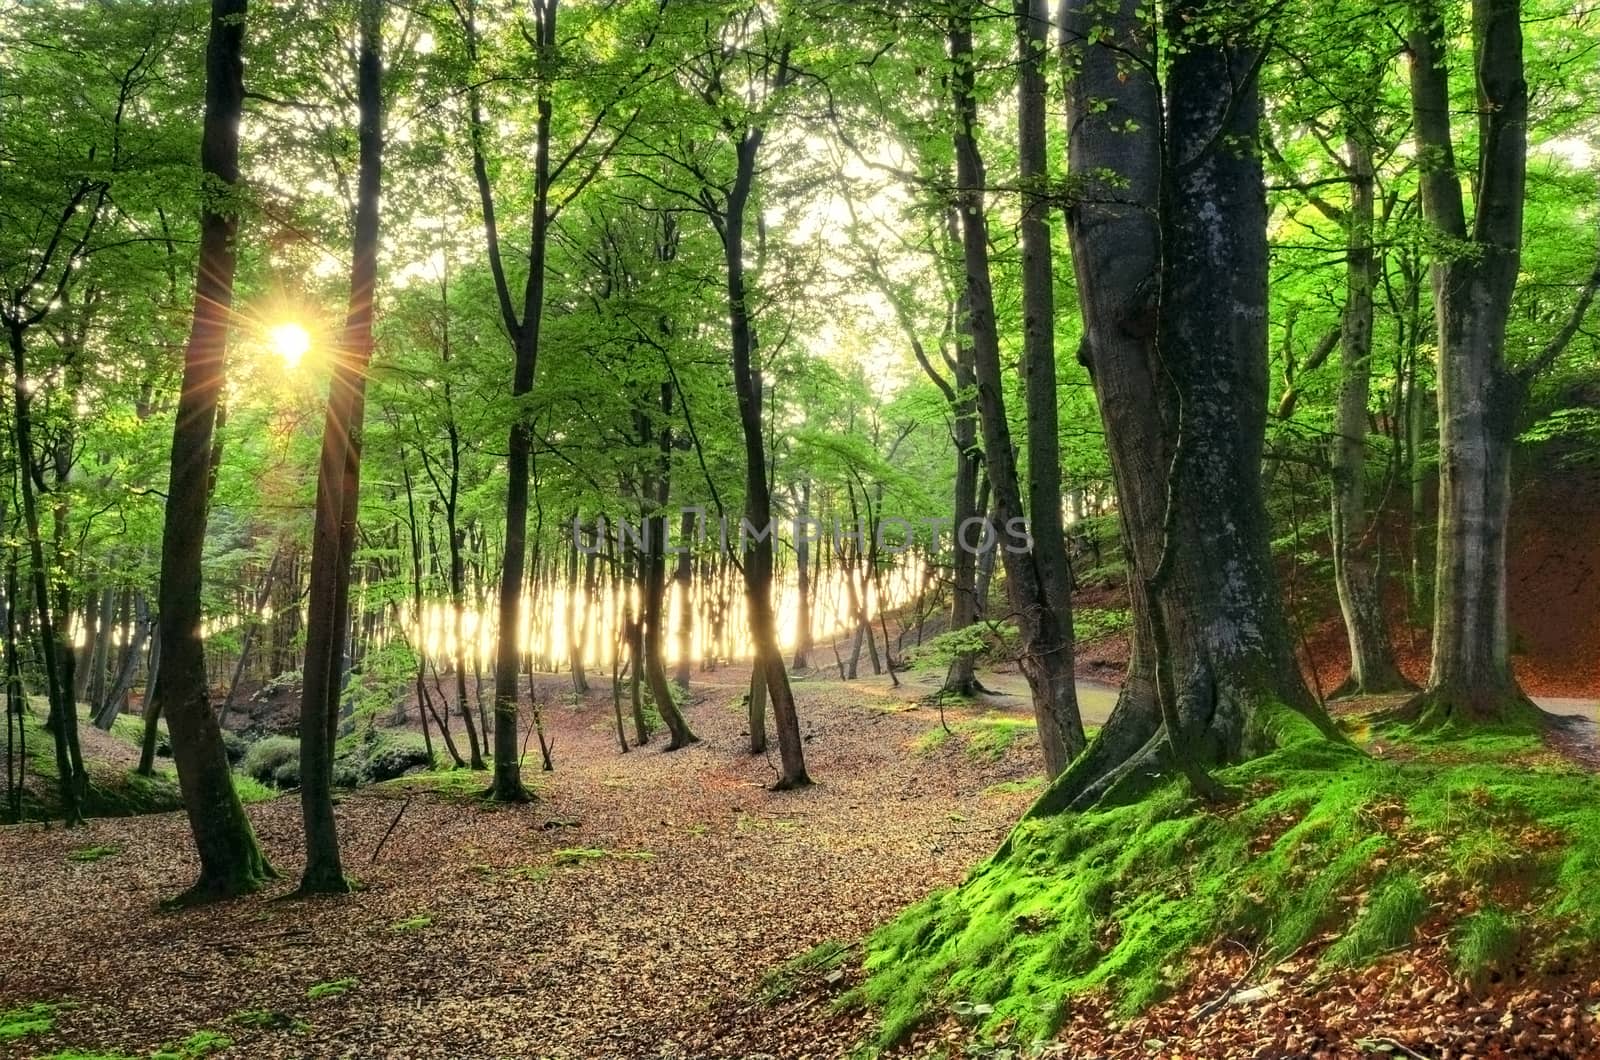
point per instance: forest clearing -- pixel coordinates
(800, 528)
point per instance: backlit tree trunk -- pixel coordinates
(338, 493)
(230, 860)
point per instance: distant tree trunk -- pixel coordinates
(684, 579)
(1171, 261)
(653, 567)
(1031, 573)
(768, 657)
(802, 562)
(230, 860)
(338, 492)
(580, 680)
(1372, 662)
(507, 765)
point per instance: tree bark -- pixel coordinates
(1474, 277)
(1372, 661)
(1031, 574)
(768, 655)
(1169, 244)
(338, 492)
(231, 862)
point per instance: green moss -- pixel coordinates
(201, 1043)
(453, 785)
(985, 738)
(332, 988)
(1327, 846)
(819, 962)
(412, 923)
(270, 1020)
(94, 853)
(274, 760)
(28, 1019)
(1014, 787)
(252, 790)
(580, 855)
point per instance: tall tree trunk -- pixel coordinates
(768, 656)
(1030, 573)
(1171, 263)
(1474, 276)
(231, 862)
(338, 492)
(1372, 662)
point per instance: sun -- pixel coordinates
(290, 341)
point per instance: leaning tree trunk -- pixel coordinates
(768, 656)
(230, 860)
(1372, 662)
(338, 495)
(1039, 604)
(1178, 360)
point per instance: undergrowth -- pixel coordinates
(1327, 847)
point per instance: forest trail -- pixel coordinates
(605, 920)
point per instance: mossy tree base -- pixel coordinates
(1326, 841)
(1504, 708)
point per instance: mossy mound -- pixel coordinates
(1327, 847)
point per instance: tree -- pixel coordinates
(231, 862)
(1168, 232)
(1037, 580)
(1475, 273)
(338, 489)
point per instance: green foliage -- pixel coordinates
(201, 1043)
(250, 790)
(988, 643)
(270, 1020)
(1096, 623)
(412, 923)
(331, 988)
(1485, 943)
(1115, 898)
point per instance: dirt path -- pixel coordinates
(683, 882)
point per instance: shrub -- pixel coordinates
(273, 760)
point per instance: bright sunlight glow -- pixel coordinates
(290, 341)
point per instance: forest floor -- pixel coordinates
(644, 906)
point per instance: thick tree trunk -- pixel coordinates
(1479, 398)
(230, 860)
(1032, 574)
(1355, 571)
(338, 494)
(1171, 265)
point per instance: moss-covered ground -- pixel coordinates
(1345, 850)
